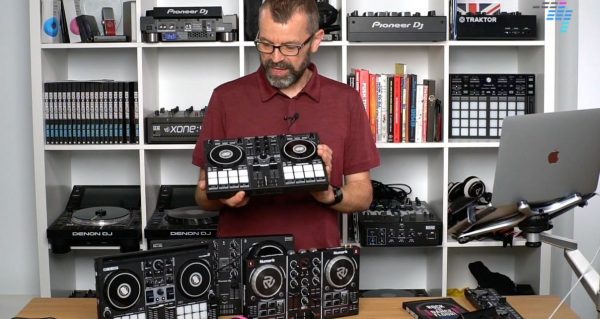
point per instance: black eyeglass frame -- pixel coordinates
(297, 47)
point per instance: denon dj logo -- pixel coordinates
(415, 25)
(269, 282)
(342, 272)
(190, 233)
(91, 233)
(188, 11)
(477, 19)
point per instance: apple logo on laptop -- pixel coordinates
(553, 157)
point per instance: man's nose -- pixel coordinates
(276, 56)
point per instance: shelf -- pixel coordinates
(514, 43)
(91, 46)
(474, 144)
(93, 147)
(395, 44)
(452, 243)
(169, 146)
(191, 44)
(427, 145)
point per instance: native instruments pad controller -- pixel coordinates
(264, 165)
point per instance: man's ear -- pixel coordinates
(316, 42)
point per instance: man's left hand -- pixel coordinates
(326, 154)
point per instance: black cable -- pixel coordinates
(396, 191)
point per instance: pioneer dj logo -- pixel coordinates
(416, 25)
(477, 19)
(91, 233)
(188, 11)
(268, 282)
(341, 273)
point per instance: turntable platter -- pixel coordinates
(100, 216)
(191, 215)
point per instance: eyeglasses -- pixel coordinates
(285, 49)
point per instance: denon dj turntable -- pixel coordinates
(264, 165)
(98, 216)
(178, 220)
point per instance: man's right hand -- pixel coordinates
(238, 200)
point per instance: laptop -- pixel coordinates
(546, 157)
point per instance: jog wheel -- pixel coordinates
(300, 150)
(194, 279)
(266, 281)
(191, 216)
(122, 290)
(340, 271)
(225, 156)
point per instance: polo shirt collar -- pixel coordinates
(311, 89)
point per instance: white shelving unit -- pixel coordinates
(185, 74)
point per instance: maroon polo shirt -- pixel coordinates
(250, 106)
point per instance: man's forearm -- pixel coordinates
(357, 197)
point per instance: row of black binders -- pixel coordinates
(91, 112)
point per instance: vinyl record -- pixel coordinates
(100, 216)
(340, 271)
(191, 216)
(299, 150)
(226, 155)
(194, 278)
(122, 290)
(266, 281)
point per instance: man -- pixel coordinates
(288, 86)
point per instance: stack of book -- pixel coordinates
(91, 112)
(399, 108)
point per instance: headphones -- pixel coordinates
(471, 187)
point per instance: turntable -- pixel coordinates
(178, 220)
(98, 216)
(264, 165)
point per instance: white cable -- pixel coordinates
(575, 284)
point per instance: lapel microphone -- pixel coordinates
(292, 118)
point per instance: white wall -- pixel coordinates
(587, 219)
(18, 248)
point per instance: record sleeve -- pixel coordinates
(445, 308)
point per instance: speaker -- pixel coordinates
(340, 281)
(251, 19)
(161, 283)
(471, 187)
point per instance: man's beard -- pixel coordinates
(282, 82)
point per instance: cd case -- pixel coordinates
(446, 308)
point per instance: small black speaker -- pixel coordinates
(160, 283)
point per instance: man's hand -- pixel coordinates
(238, 200)
(326, 154)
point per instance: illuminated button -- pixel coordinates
(142, 316)
(203, 315)
(233, 180)
(187, 309)
(309, 174)
(180, 310)
(318, 167)
(288, 169)
(195, 307)
(222, 174)
(243, 179)
(288, 176)
(232, 174)
(298, 168)
(203, 306)
(223, 181)
(242, 172)
(299, 175)
(133, 317)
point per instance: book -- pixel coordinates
(445, 308)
